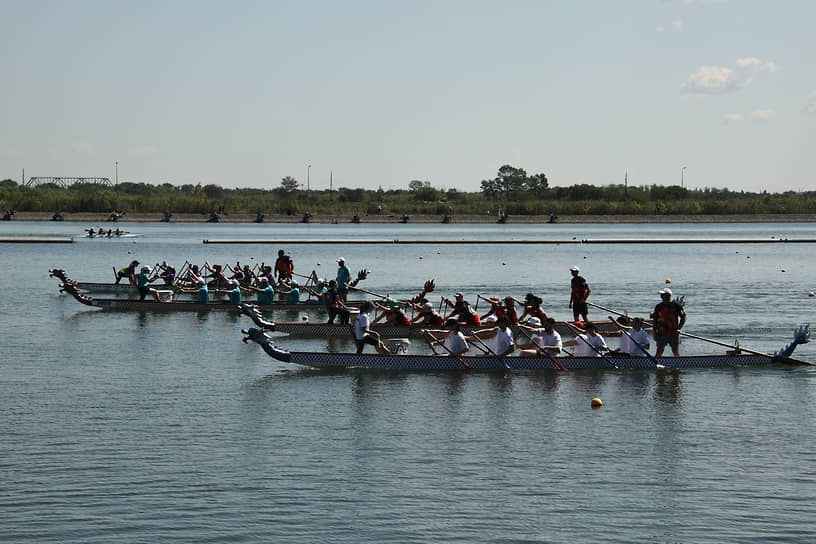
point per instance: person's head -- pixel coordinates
(146, 269)
(490, 320)
(427, 308)
(502, 322)
(332, 284)
(665, 293)
(549, 324)
(534, 322)
(574, 270)
(508, 301)
(341, 261)
(293, 284)
(264, 281)
(201, 282)
(452, 323)
(529, 296)
(637, 323)
(367, 306)
(233, 283)
(459, 296)
(280, 253)
(134, 263)
(589, 327)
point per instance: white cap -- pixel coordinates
(490, 319)
(574, 269)
(146, 269)
(427, 307)
(534, 321)
(341, 260)
(233, 283)
(666, 291)
(201, 281)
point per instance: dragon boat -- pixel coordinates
(178, 305)
(400, 360)
(334, 330)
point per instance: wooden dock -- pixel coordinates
(427, 241)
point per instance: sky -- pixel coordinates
(704, 93)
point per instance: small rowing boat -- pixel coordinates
(177, 305)
(402, 361)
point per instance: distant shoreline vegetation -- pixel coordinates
(511, 192)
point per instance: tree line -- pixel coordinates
(511, 191)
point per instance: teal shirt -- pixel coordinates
(141, 281)
(235, 296)
(267, 296)
(203, 294)
(293, 297)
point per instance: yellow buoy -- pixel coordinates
(668, 280)
(597, 403)
(811, 294)
(134, 241)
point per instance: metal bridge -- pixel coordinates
(66, 182)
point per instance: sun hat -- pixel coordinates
(574, 269)
(666, 291)
(534, 321)
(490, 319)
(457, 294)
(341, 260)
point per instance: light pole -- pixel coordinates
(308, 191)
(117, 173)
(682, 171)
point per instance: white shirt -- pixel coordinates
(541, 338)
(361, 325)
(503, 341)
(455, 343)
(583, 350)
(632, 348)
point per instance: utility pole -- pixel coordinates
(682, 172)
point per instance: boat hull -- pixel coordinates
(190, 306)
(434, 362)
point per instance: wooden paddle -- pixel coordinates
(644, 350)
(544, 351)
(717, 342)
(458, 357)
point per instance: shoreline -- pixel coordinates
(101, 219)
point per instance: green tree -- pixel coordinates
(289, 185)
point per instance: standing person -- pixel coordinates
(462, 309)
(364, 335)
(669, 317)
(284, 266)
(128, 272)
(545, 339)
(589, 343)
(343, 279)
(579, 293)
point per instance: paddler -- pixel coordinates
(429, 316)
(589, 343)
(500, 337)
(579, 293)
(128, 272)
(454, 341)
(392, 313)
(141, 283)
(201, 290)
(532, 308)
(463, 311)
(266, 293)
(233, 291)
(543, 339)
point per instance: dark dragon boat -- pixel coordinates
(403, 361)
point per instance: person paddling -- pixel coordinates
(543, 339)
(454, 342)
(462, 309)
(589, 343)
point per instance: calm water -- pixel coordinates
(127, 427)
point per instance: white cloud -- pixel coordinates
(677, 25)
(721, 79)
(732, 117)
(763, 115)
(810, 106)
(83, 147)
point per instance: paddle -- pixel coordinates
(644, 350)
(587, 342)
(717, 342)
(373, 294)
(544, 351)
(435, 339)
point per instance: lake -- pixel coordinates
(139, 427)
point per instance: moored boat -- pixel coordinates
(482, 362)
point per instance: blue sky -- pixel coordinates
(380, 93)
